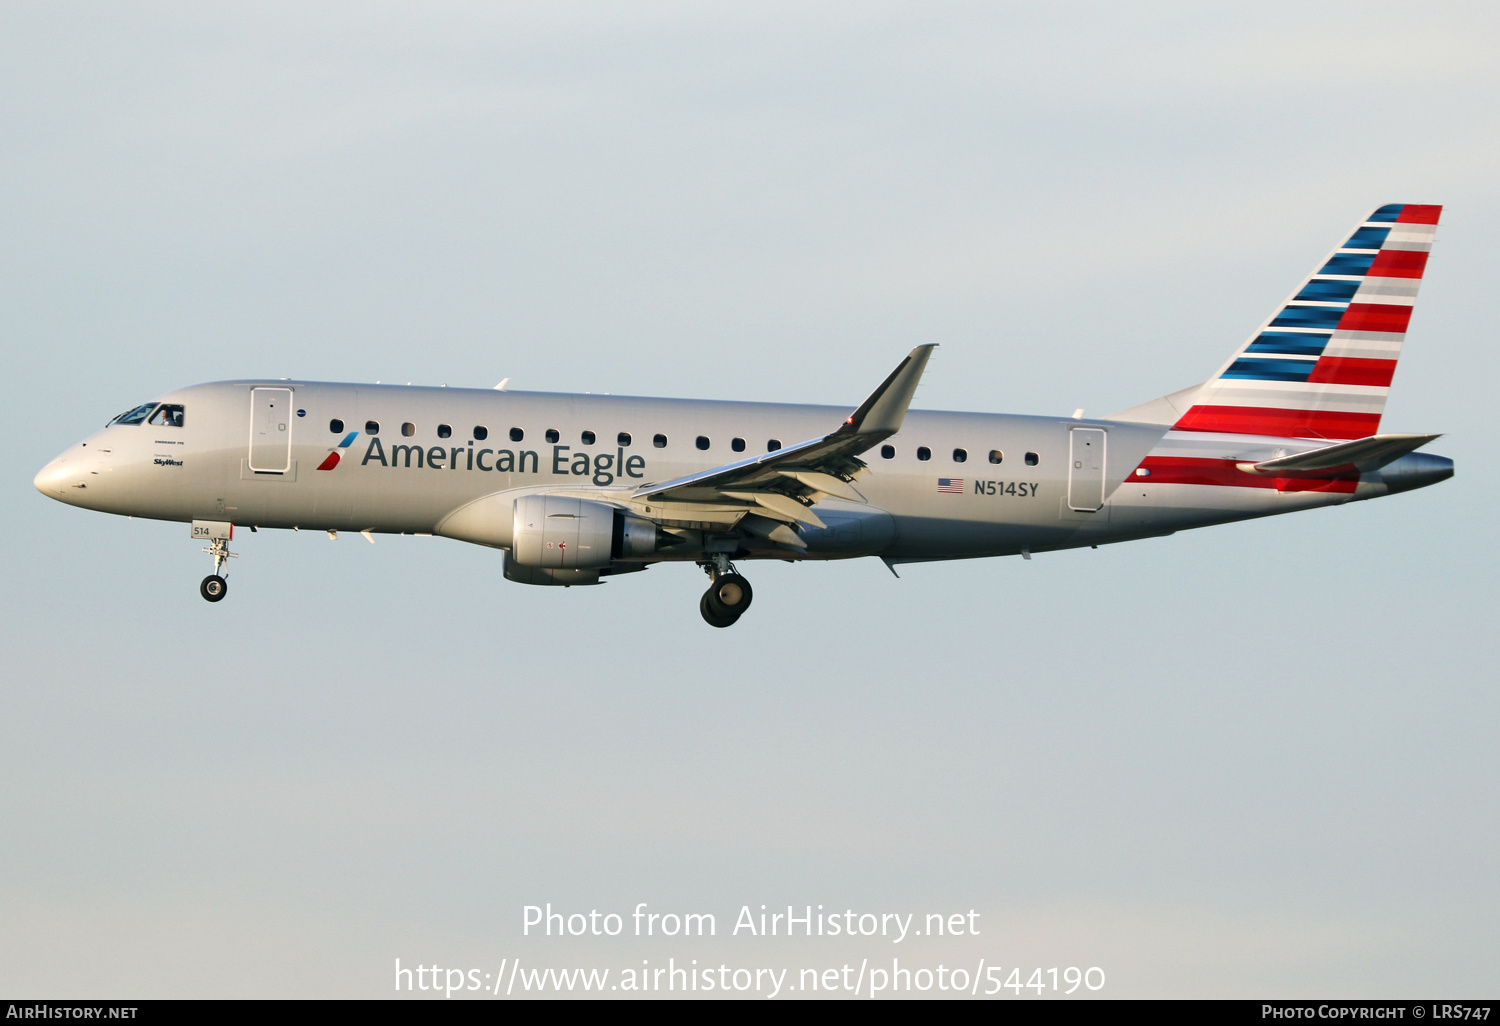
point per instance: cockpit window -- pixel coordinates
(134, 416)
(169, 415)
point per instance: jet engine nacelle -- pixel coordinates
(538, 575)
(557, 533)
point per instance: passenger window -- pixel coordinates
(588, 438)
(996, 456)
(136, 415)
(924, 453)
(552, 435)
(408, 429)
(737, 444)
(169, 415)
(887, 452)
(481, 432)
(444, 431)
(660, 441)
(773, 444)
(702, 442)
(372, 427)
(1032, 459)
(516, 434)
(960, 455)
(623, 438)
(336, 426)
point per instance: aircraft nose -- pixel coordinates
(60, 478)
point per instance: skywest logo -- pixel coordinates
(603, 467)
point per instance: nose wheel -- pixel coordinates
(727, 597)
(214, 587)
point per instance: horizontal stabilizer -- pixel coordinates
(1363, 454)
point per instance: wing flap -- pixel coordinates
(826, 483)
(783, 507)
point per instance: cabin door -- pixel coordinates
(1086, 469)
(270, 430)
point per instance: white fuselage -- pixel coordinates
(959, 501)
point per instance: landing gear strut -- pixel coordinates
(727, 597)
(214, 587)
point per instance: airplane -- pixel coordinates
(576, 489)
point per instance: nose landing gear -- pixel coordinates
(214, 587)
(727, 597)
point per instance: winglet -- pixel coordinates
(883, 412)
(824, 464)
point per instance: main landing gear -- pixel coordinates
(727, 597)
(214, 587)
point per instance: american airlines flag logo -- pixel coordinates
(332, 459)
(951, 485)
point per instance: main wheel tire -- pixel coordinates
(730, 594)
(213, 587)
(713, 616)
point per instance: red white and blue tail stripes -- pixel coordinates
(1321, 366)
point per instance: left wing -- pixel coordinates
(782, 484)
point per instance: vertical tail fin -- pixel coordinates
(1321, 366)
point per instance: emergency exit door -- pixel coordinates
(1086, 469)
(270, 430)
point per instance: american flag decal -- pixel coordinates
(951, 485)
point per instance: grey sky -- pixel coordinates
(1252, 760)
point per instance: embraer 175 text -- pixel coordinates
(576, 488)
